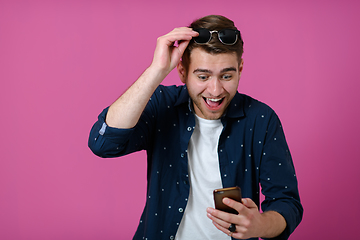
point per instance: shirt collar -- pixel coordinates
(236, 107)
(183, 96)
(234, 110)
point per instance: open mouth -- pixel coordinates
(213, 103)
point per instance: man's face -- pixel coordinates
(212, 81)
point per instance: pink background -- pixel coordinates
(62, 62)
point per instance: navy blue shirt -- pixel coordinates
(252, 152)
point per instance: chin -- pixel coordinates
(203, 111)
(212, 116)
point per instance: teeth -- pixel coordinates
(214, 99)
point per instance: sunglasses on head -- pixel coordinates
(226, 36)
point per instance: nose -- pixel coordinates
(215, 87)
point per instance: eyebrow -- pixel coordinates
(200, 70)
(229, 69)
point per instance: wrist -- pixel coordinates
(156, 73)
(272, 224)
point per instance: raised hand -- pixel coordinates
(167, 55)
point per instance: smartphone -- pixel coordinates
(232, 193)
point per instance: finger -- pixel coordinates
(223, 229)
(223, 218)
(183, 29)
(249, 203)
(221, 225)
(220, 222)
(233, 204)
(182, 46)
(239, 232)
(179, 34)
(167, 55)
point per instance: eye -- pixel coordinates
(227, 76)
(203, 77)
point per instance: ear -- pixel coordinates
(241, 67)
(181, 71)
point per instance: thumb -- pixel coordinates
(177, 52)
(182, 46)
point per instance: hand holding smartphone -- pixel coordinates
(232, 193)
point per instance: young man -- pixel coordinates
(202, 136)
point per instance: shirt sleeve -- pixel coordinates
(105, 141)
(278, 179)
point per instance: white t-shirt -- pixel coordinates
(204, 176)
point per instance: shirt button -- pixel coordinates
(181, 210)
(189, 129)
(182, 155)
(171, 237)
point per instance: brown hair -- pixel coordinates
(213, 22)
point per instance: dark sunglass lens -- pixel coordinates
(227, 36)
(204, 35)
